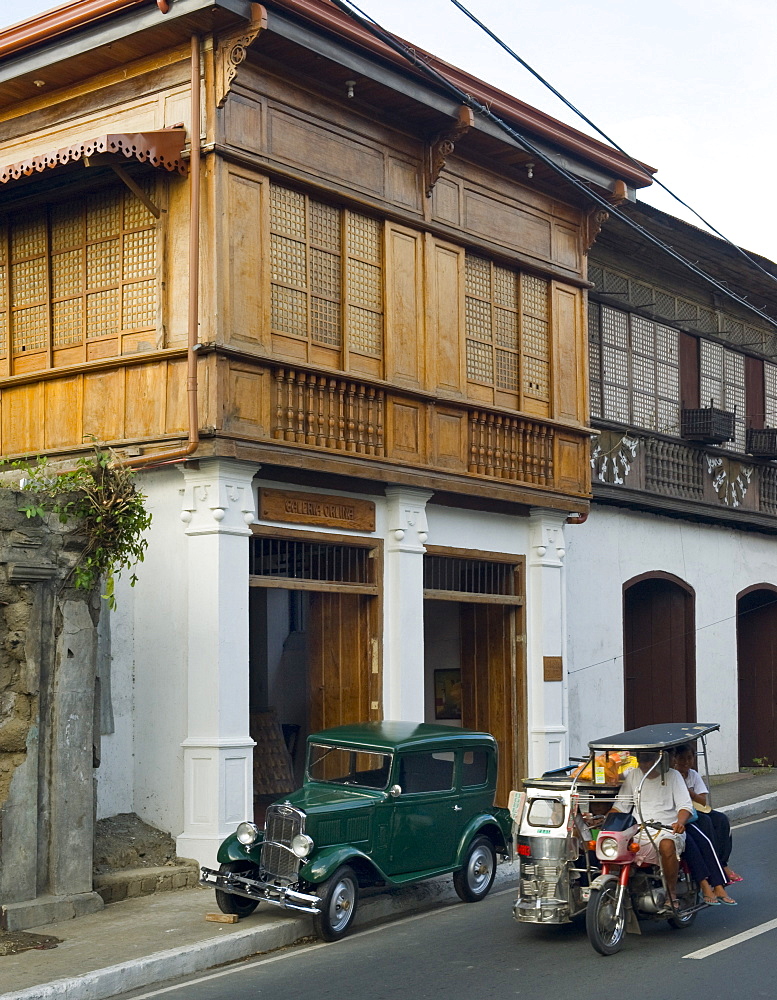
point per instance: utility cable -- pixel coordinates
(471, 102)
(634, 162)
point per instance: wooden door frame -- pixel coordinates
(518, 714)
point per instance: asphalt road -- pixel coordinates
(477, 951)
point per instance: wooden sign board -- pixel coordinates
(316, 509)
(553, 668)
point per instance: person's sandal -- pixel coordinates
(727, 901)
(711, 900)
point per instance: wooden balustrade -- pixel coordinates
(510, 448)
(673, 470)
(329, 412)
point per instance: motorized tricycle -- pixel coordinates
(577, 857)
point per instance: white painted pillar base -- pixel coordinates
(403, 653)
(218, 507)
(546, 636)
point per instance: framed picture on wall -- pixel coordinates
(447, 694)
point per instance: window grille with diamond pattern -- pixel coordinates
(76, 271)
(722, 384)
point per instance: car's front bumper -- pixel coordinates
(260, 890)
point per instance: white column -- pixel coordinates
(403, 651)
(218, 507)
(546, 637)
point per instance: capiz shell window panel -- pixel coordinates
(76, 277)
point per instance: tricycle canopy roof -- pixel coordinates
(661, 737)
(393, 736)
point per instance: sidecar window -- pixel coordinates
(545, 812)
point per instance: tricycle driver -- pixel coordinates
(663, 799)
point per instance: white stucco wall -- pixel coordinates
(614, 546)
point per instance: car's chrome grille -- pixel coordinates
(282, 825)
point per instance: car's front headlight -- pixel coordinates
(247, 833)
(608, 847)
(302, 845)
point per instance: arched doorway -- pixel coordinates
(658, 651)
(757, 670)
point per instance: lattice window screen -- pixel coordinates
(77, 271)
(507, 328)
(770, 394)
(326, 272)
(722, 383)
(634, 370)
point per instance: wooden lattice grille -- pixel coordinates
(326, 271)
(722, 385)
(507, 322)
(78, 271)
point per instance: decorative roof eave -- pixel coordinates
(161, 148)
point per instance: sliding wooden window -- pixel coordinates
(77, 280)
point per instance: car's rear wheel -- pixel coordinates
(476, 876)
(228, 902)
(339, 898)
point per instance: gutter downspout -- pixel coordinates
(163, 458)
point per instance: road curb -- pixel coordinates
(153, 969)
(751, 807)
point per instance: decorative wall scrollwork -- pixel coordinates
(233, 49)
(730, 479)
(612, 465)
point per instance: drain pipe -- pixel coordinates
(577, 518)
(164, 458)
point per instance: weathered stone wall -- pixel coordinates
(47, 700)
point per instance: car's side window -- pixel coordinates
(474, 768)
(426, 772)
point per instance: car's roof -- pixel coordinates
(394, 736)
(660, 737)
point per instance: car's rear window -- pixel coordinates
(344, 766)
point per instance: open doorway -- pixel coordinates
(757, 670)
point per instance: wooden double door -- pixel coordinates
(757, 668)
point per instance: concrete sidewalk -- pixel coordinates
(141, 942)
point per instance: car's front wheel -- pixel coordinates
(228, 902)
(476, 876)
(339, 896)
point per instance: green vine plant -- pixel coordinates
(101, 496)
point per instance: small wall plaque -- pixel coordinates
(316, 509)
(553, 668)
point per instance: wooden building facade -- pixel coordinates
(338, 321)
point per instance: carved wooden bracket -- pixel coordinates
(441, 147)
(594, 219)
(233, 49)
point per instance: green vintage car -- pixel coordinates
(383, 803)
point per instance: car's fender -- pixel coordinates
(232, 850)
(482, 823)
(329, 859)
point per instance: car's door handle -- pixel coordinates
(457, 809)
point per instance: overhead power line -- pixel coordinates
(634, 162)
(471, 102)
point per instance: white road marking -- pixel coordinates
(731, 942)
(292, 951)
(752, 822)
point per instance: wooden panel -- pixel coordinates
(445, 334)
(507, 224)
(97, 349)
(754, 391)
(67, 356)
(145, 400)
(62, 401)
(104, 405)
(449, 439)
(446, 202)
(23, 420)
(566, 246)
(340, 657)
(242, 276)
(324, 152)
(406, 435)
(404, 306)
(137, 343)
(24, 363)
(316, 509)
(403, 185)
(243, 123)
(689, 372)
(570, 368)
(244, 401)
(177, 406)
(552, 668)
(571, 463)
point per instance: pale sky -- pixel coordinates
(686, 85)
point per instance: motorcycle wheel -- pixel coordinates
(228, 902)
(339, 896)
(606, 926)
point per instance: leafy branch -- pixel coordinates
(100, 494)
